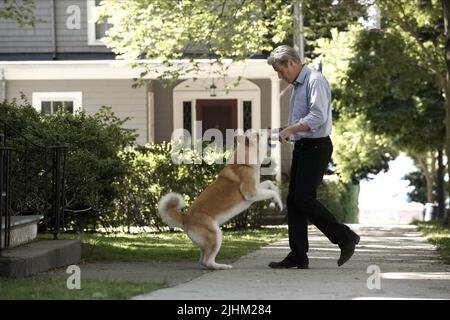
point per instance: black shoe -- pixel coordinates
(348, 247)
(286, 264)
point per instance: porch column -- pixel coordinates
(2, 85)
(275, 123)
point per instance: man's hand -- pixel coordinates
(285, 133)
(290, 130)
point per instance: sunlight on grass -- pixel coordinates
(438, 235)
(168, 246)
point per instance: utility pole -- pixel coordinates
(298, 29)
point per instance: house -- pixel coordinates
(63, 63)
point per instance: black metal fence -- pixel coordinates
(5, 193)
(32, 181)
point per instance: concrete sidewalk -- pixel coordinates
(409, 268)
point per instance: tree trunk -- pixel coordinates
(428, 174)
(430, 187)
(446, 14)
(298, 29)
(440, 185)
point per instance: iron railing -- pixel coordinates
(5, 193)
(49, 175)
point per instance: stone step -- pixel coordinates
(39, 256)
(23, 230)
(273, 219)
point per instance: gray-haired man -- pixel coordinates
(309, 126)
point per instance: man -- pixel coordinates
(309, 126)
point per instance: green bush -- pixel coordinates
(341, 199)
(92, 163)
(152, 174)
(109, 182)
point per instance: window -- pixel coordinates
(96, 31)
(51, 102)
(247, 115)
(187, 115)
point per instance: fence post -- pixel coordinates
(58, 185)
(5, 190)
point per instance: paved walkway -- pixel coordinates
(409, 268)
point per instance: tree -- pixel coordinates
(172, 30)
(400, 99)
(359, 151)
(168, 31)
(22, 12)
(423, 24)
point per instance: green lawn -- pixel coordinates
(439, 235)
(174, 246)
(143, 247)
(44, 288)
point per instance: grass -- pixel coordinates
(143, 247)
(175, 246)
(43, 288)
(438, 235)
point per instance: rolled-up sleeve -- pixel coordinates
(319, 103)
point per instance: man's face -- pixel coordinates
(287, 73)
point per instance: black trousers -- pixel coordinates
(310, 159)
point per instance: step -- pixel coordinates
(273, 219)
(23, 230)
(39, 256)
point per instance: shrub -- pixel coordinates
(92, 163)
(152, 173)
(341, 199)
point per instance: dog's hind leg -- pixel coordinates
(212, 246)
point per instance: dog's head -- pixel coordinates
(250, 148)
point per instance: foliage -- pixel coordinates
(395, 95)
(218, 30)
(419, 193)
(92, 163)
(152, 173)
(420, 24)
(358, 151)
(168, 30)
(323, 17)
(341, 199)
(22, 12)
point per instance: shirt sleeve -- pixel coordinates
(319, 102)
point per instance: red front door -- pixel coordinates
(219, 114)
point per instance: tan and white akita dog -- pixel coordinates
(236, 187)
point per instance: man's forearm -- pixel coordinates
(292, 129)
(297, 128)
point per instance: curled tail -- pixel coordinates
(169, 209)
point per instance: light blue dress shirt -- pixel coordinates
(310, 105)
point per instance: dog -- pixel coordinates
(236, 187)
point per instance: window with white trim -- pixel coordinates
(96, 31)
(51, 102)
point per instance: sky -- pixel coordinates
(388, 190)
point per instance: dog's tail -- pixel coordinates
(169, 209)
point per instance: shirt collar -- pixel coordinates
(301, 76)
